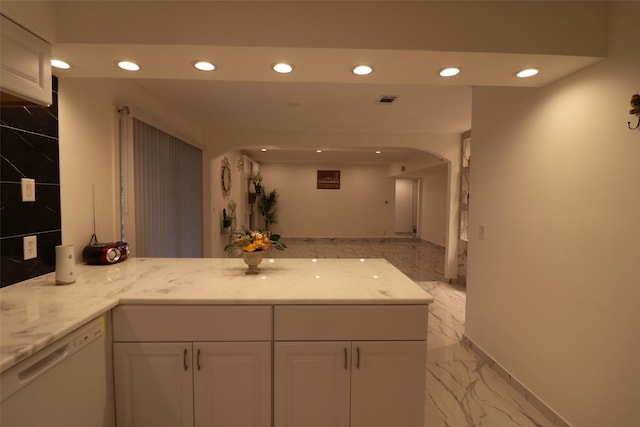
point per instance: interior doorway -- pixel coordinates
(406, 207)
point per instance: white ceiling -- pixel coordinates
(323, 41)
(317, 107)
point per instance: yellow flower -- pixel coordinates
(249, 248)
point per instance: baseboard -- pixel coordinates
(535, 401)
(423, 240)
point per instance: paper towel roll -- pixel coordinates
(65, 265)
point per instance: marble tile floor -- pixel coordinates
(462, 390)
(417, 259)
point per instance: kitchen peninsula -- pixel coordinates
(305, 342)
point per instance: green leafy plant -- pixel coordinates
(232, 208)
(227, 220)
(267, 205)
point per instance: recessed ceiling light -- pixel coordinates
(378, 152)
(282, 68)
(263, 149)
(204, 66)
(528, 72)
(449, 72)
(60, 64)
(362, 70)
(128, 65)
(318, 151)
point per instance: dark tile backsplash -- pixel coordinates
(29, 149)
(28, 155)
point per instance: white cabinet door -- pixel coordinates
(232, 384)
(311, 384)
(153, 384)
(25, 72)
(388, 384)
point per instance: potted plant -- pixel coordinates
(226, 221)
(268, 208)
(252, 244)
(232, 213)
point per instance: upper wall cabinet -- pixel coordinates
(25, 77)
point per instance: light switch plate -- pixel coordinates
(28, 189)
(30, 247)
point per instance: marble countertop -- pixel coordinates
(36, 312)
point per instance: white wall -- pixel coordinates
(552, 291)
(362, 207)
(434, 204)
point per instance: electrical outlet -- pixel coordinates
(30, 246)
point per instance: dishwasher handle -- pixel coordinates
(43, 364)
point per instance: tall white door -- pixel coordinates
(153, 384)
(232, 384)
(311, 384)
(385, 390)
(406, 207)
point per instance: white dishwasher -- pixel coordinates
(64, 385)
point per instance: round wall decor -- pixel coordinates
(225, 178)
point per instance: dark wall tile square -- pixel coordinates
(28, 155)
(18, 217)
(40, 120)
(14, 269)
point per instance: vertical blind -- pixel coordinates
(168, 194)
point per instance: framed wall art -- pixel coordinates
(328, 180)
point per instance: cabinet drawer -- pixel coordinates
(136, 323)
(350, 322)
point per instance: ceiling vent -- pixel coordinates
(386, 99)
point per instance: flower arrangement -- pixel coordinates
(255, 241)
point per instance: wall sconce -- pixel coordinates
(635, 109)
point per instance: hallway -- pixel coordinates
(462, 389)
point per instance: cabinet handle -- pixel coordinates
(346, 365)
(198, 359)
(358, 358)
(184, 360)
